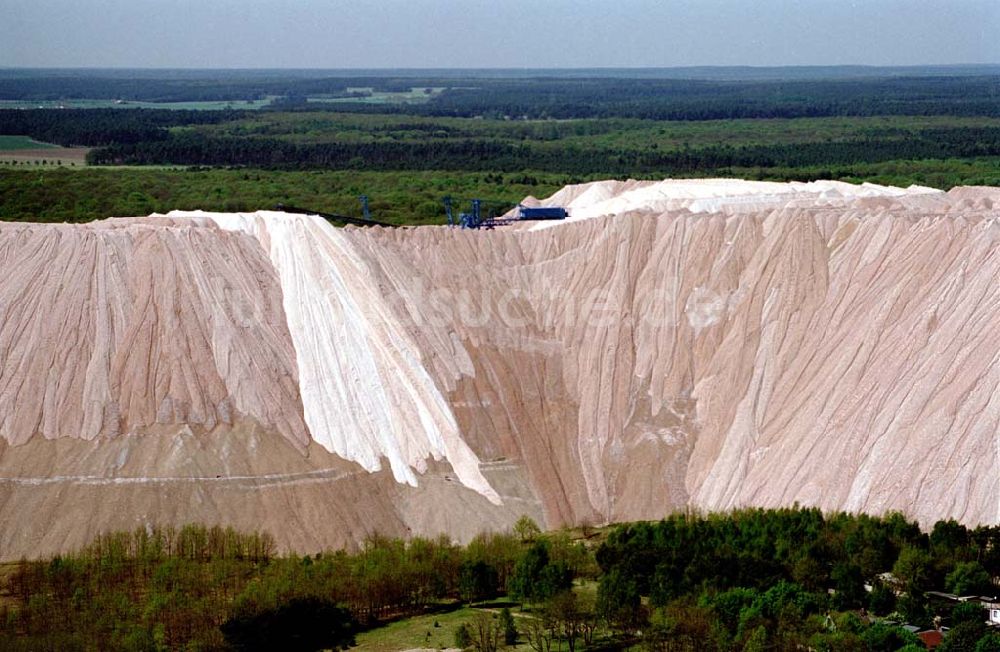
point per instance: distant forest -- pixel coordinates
(170, 137)
(934, 126)
(477, 155)
(560, 97)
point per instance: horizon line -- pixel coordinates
(473, 68)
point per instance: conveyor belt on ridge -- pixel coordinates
(333, 217)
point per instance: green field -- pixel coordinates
(14, 143)
(368, 95)
(365, 95)
(431, 631)
(119, 104)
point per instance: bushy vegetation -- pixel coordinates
(786, 579)
(214, 588)
(791, 578)
(80, 195)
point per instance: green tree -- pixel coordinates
(849, 586)
(508, 627)
(949, 538)
(887, 638)
(463, 639)
(964, 637)
(881, 600)
(810, 572)
(729, 604)
(526, 529)
(988, 643)
(555, 578)
(563, 612)
(967, 612)
(537, 577)
(528, 571)
(912, 569)
(684, 624)
(540, 633)
(969, 578)
(302, 624)
(619, 602)
(757, 641)
(485, 631)
(477, 581)
(914, 610)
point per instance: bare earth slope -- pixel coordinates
(704, 343)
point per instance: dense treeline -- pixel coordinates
(703, 100)
(205, 588)
(96, 127)
(189, 148)
(766, 579)
(751, 580)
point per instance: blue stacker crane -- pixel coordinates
(474, 219)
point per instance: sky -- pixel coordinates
(494, 33)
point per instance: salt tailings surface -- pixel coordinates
(708, 344)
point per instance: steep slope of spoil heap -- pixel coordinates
(707, 343)
(822, 343)
(150, 374)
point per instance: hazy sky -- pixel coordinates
(495, 33)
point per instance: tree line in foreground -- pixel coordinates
(83, 194)
(787, 579)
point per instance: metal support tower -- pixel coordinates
(447, 210)
(364, 207)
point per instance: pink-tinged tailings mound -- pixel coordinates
(707, 344)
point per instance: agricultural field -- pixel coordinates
(84, 103)
(370, 95)
(20, 143)
(25, 151)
